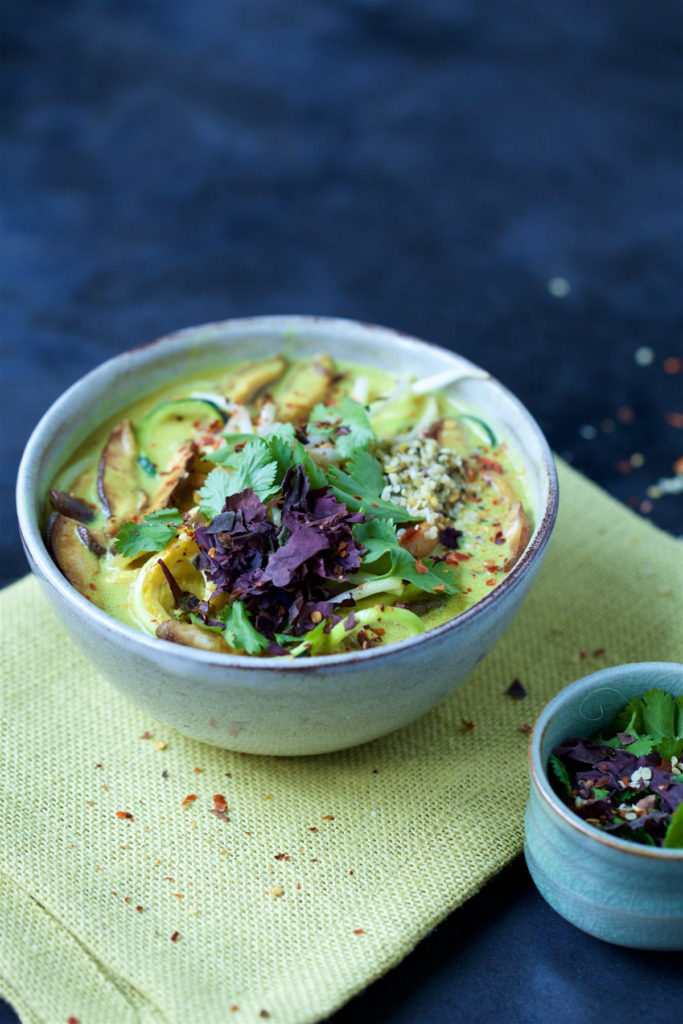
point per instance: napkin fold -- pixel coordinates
(123, 898)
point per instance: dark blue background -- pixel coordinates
(427, 165)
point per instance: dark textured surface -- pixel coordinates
(426, 165)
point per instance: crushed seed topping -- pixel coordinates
(422, 476)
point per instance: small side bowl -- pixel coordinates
(280, 705)
(614, 889)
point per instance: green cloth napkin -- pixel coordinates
(331, 868)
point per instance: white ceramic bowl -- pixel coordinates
(279, 705)
(617, 890)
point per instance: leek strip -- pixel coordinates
(446, 377)
(319, 642)
(388, 585)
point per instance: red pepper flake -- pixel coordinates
(490, 583)
(678, 467)
(264, 1014)
(175, 936)
(524, 728)
(439, 587)
(582, 655)
(672, 365)
(72, 1020)
(219, 802)
(139, 909)
(624, 466)
(359, 931)
(420, 567)
(146, 735)
(328, 817)
(491, 464)
(125, 814)
(199, 769)
(675, 419)
(282, 856)
(598, 652)
(467, 724)
(313, 829)
(351, 872)
(234, 1008)
(189, 799)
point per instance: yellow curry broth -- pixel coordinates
(494, 529)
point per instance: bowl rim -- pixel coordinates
(538, 770)
(36, 547)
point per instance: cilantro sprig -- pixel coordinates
(346, 424)
(152, 533)
(239, 631)
(654, 721)
(390, 559)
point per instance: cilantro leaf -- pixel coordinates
(379, 537)
(655, 714)
(659, 713)
(315, 474)
(643, 745)
(364, 466)
(254, 467)
(153, 533)
(346, 424)
(216, 489)
(560, 773)
(673, 838)
(358, 493)
(239, 631)
(224, 454)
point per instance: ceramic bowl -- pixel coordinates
(280, 705)
(612, 888)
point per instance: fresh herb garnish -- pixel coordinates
(152, 533)
(629, 781)
(390, 559)
(239, 632)
(346, 424)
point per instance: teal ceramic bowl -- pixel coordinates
(617, 890)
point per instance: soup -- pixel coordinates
(289, 507)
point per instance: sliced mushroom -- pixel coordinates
(73, 507)
(245, 384)
(172, 478)
(117, 474)
(189, 635)
(516, 531)
(308, 386)
(77, 553)
(420, 540)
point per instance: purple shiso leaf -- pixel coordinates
(449, 537)
(281, 573)
(303, 543)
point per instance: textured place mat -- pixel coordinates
(330, 869)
